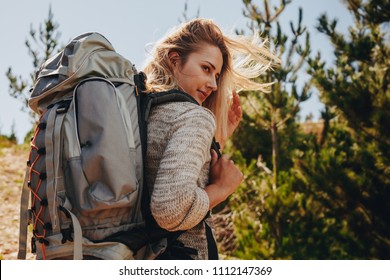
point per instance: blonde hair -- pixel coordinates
(244, 58)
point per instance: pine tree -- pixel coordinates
(276, 111)
(266, 206)
(332, 198)
(349, 172)
(41, 45)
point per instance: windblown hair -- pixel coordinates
(244, 58)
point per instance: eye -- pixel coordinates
(206, 68)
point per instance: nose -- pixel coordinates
(212, 84)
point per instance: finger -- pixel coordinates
(235, 111)
(225, 157)
(234, 103)
(239, 112)
(214, 157)
(233, 100)
(236, 98)
(237, 107)
(241, 176)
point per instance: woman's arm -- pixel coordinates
(177, 201)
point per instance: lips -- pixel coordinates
(205, 94)
(201, 95)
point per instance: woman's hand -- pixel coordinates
(234, 114)
(234, 118)
(225, 178)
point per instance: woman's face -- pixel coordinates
(199, 74)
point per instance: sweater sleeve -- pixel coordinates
(178, 201)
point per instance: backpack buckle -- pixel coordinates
(63, 106)
(140, 82)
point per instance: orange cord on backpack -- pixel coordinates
(36, 200)
(43, 251)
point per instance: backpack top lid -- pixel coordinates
(87, 55)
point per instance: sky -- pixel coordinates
(131, 26)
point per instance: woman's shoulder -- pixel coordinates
(181, 111)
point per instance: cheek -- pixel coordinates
(188, 81)
(184, 83)
(187, 85)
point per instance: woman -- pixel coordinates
(185, 180)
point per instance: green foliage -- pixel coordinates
(271, 116)
(267, 141)
(7, 141)
(351, 185)
(357, 87)
(332, 190)
(356, 91)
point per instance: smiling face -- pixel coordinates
(198, 74)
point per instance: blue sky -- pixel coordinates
(131, 26)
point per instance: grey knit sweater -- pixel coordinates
(178, 164)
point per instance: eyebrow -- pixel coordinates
(212, 65)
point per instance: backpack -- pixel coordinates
(84, 191)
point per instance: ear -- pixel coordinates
(174, 58)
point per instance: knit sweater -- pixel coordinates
(178, 165)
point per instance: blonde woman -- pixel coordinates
(187, 180)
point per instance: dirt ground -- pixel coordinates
(12, 169)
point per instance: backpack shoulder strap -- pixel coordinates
(154, 99)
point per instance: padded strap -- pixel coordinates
(24, 217)
(59, 185)
(50, 183)
(211, 244)
(154, 99)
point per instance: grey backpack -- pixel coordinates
(84, 178)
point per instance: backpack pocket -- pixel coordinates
(103, 177)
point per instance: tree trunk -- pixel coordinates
(275, 154)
